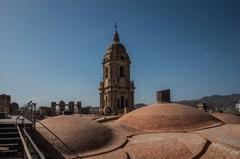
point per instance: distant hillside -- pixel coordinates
(224, 101)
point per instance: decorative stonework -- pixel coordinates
(62, 107)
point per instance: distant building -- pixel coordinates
(203, 106)
(62, 106)
(45, 111)
(237, 106)
(5, 101)
(85, 110)
(14, 109)
(94, 110)
(116, 88)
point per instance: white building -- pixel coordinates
(237, 106)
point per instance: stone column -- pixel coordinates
(71, 107)
(101, 103)
(61, 106)
(131, 105)
(53, 107)
(79, 106)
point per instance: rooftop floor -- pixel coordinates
(12, 120)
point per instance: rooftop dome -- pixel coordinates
(167, 117)
(228, 134)
(83, 136)
(116, 50)
(227, 118)
(165, 145)
(116, 47)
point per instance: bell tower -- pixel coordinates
(116, 88)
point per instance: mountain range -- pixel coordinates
(219, 101)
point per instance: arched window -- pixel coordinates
(106, 72)
(118, 103)
(121, 71)
(122, 101)
(106, 102)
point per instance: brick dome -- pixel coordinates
(83, 136)
(167, 117)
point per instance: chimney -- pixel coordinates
(163, 96)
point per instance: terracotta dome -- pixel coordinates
(228, 134)
(165, 145)
(225, 141)
(227, 118)
(168, 117)
(83, 136)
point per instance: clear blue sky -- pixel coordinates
(52, 50)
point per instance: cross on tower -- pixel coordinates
(115, 26)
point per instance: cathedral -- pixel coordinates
(116, 88)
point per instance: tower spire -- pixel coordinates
(115, 26)
(116, 36)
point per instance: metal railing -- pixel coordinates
(27, 111)
(26, 151)
(30, 150)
